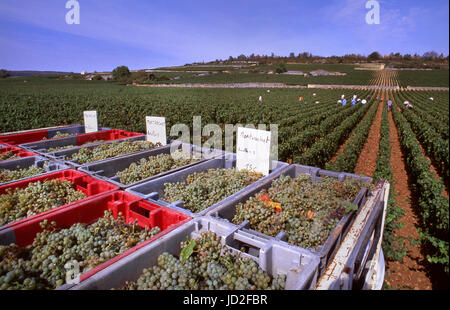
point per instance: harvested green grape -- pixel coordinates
(36, 198)
(11, 175)
(307, 211)
(59, 135)
(104, 151)
(8, 155)
(41, 265)
(154, 165)
(203, 189)
(60, 148)
(210, 266)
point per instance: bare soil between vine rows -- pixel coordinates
(367, 160)
(412, 272)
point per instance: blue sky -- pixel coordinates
(148, 34)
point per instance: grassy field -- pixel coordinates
(437, 78)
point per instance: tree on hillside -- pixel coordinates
(374, 56)
(281, 68)
(121, 73)
(430, 55)
(4, 74)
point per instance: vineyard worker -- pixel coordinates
(344, 102)
(343, 96)
(409, 106)
(389, 103)
(353, 102)
(260, 99)
(300, 98)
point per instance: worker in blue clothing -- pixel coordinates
(389, 104)
(344, 102)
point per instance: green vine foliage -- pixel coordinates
(394, 247)
(433, 205)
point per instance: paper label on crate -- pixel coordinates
(156, 129)
(90, 121)
(253, 150)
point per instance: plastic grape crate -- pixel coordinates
(26, 137)
(299, 266)
(108, 168)
(27, 162)
(73, 130)
(154, 189)
(42, 147)
(40, 134)
(64, 154)
(83, 182)
(107, 135)
(132, 207)
(16, 151)
(227, 210)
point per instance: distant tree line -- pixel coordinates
(429, 59)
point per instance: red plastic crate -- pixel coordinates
(132, 207)
(106, 135)
(16, 151)
(83, 182)
(26, 137)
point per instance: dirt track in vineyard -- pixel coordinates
(411, 273)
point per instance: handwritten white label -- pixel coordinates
(156, 129)
(253, 150)
(90, 121)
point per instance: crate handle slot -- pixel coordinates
(137, 209)
(153, 195)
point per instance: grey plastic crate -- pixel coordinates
(60, 156)
(108, 169)
(299, 266)
(154, 189)
(27, 162)
(227, 210)
(73, 129)
(41, 147)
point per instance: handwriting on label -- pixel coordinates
(253, 150)
(156, 129)
(90, 121)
